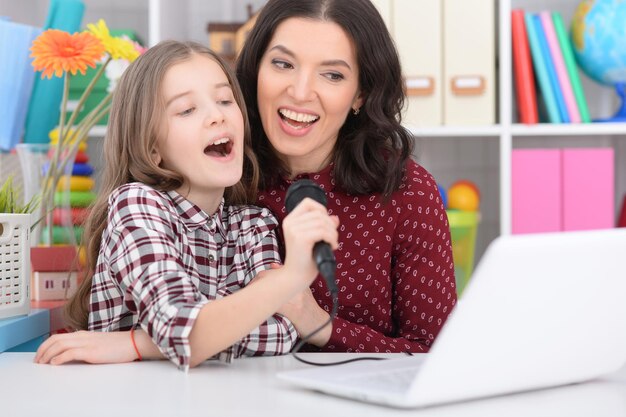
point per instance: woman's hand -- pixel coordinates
(84, 346)
(305, 314)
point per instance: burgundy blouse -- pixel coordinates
(394, 264)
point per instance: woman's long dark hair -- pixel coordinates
(372, 147)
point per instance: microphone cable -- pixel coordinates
(325, 260)
(335, 297)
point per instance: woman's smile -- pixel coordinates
(296, 123)
(306, 91)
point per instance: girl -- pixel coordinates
(172, 248)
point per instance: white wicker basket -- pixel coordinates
(14, 264)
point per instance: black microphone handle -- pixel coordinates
(326, 264)
(322, 253)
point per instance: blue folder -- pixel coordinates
(541, 71)
(549, 63)
(16, 82)
(45, 101)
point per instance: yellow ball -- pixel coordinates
(82, 255)
(463, 196)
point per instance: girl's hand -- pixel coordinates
(90, 347)
(307, 224)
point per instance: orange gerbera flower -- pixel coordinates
(56, 51)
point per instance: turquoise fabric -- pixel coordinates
(43, 110)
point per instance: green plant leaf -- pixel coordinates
(8, 199)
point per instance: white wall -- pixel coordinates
(30, 12)
(202, 12)
(133, 14)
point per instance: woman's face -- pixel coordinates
(307, 85)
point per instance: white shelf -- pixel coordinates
(584, 129)
(456, 131)
(98, 131)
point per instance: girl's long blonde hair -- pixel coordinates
(131, 137)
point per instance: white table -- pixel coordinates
(249, 387)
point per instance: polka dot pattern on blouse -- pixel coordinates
(395, 272)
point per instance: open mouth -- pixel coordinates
(297, 120)
(219, 148)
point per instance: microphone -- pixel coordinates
(322, 252)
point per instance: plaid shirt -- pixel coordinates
(162, 259)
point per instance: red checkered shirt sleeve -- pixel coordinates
(145, 264)
(277, 335)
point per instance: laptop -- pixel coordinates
(541, 310)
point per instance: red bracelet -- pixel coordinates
(132, 338)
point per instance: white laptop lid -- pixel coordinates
(540, 310)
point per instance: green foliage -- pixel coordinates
(9, 200)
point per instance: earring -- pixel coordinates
(356, 111)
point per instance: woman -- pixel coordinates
(323, 88)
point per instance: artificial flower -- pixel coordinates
(116, 67)
(117, 48)
(114, 72)
(56, 52)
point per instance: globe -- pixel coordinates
(598, 33)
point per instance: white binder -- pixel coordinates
(469, 62)
(417, 31)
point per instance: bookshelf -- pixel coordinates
(600, 100)
(479, 153)
(451, 142)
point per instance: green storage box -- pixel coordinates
(463, 227)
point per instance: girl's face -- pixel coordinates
(204, 131)
(307, 84)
